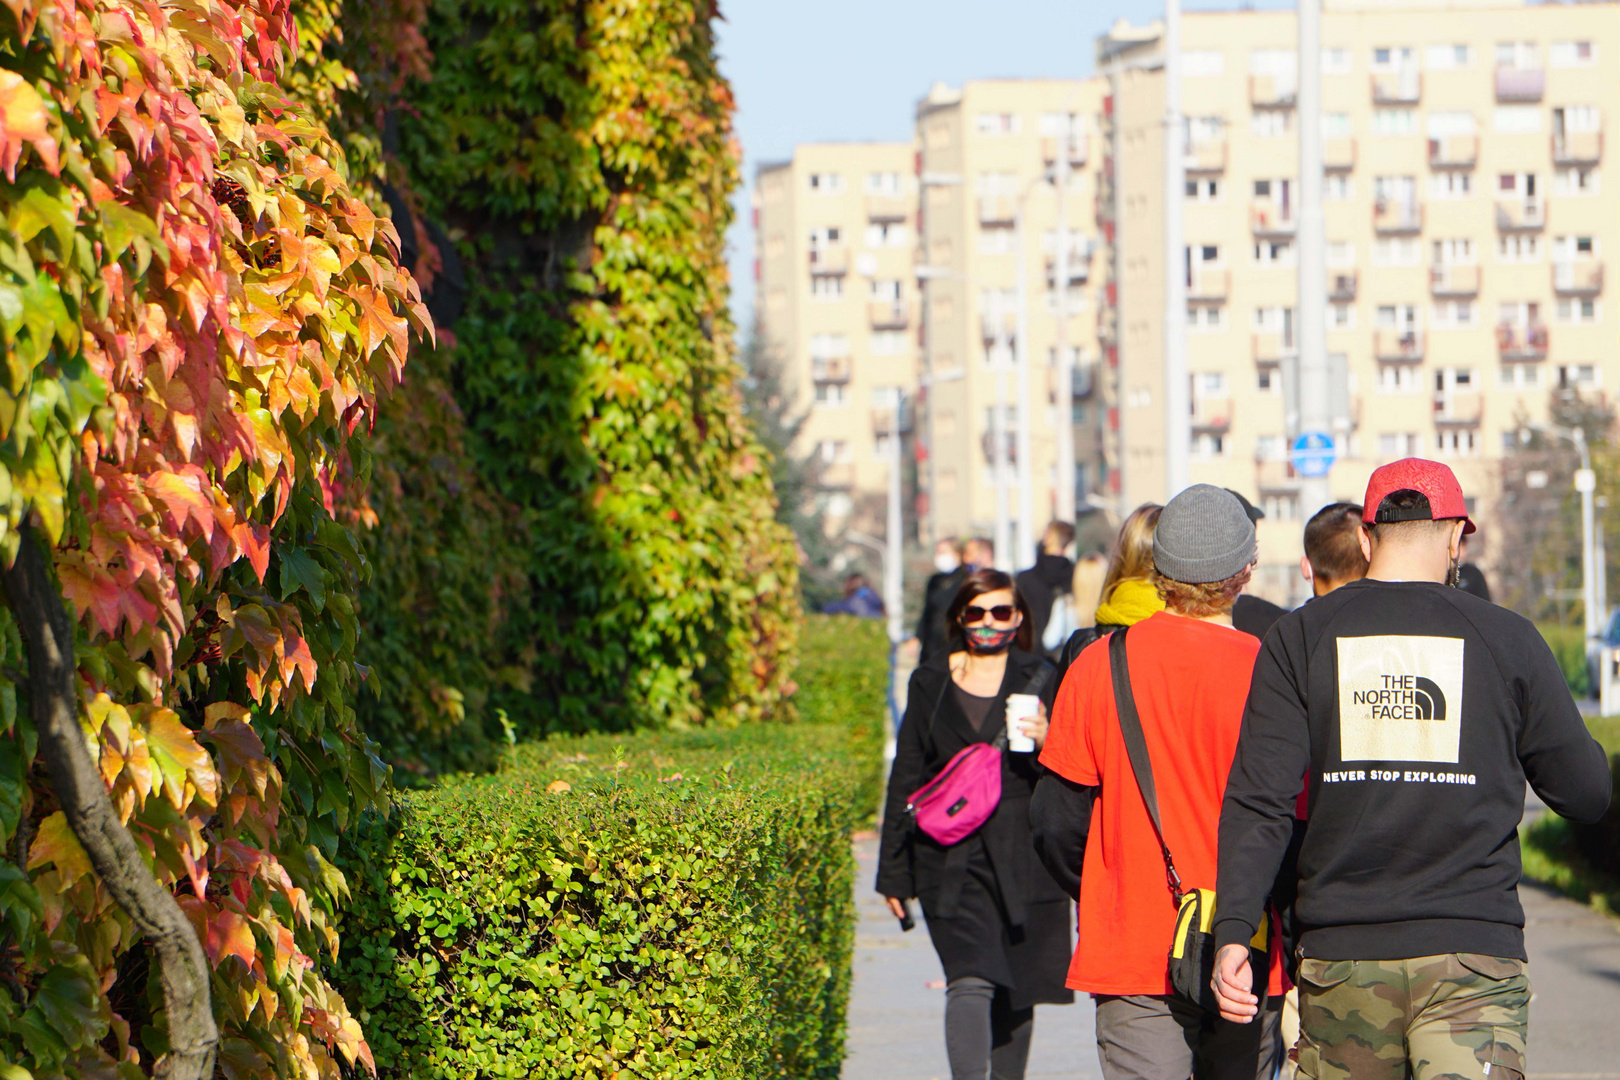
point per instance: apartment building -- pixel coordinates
(989, 161)
(1466, 228)
(837, 298)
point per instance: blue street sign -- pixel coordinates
(1313, 453)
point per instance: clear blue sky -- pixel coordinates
(854, 69)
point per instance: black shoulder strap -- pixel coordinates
(1037, 682)
(1130, 726)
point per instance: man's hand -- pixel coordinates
(896, 905)
(1232, 983)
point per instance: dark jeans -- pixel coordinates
(1159, 1037)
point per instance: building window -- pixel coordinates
(1209, 384)
(827, 288)
(1447, 57)
(1455, 314)
(888, 342)
(1336, 125)
(1208, 445)
(1392, 446)
(1444, 186)
(1565, 54)
(831, 395)
(1268, 380)
(1518, 248)
(1205, 318)
(828, 346)
(883, 183)
(1578, 312)
(1397, 251)
(1395, 122)
(1337, 187)
(997, 123)
(826, 183)
(1576, 182)
(1274, 253)
(1341, 254)
(1524, 55)
(832, 451)
(1394, 59)
(1398, 379)
(1336, 62)
(1268, 448)
(1580, 377)
(890, 235)
(1519, 377)
(1205, 190)
(1271, 123)
(996, 241)
(1456, 443)
(1517, 119)
(1341, 317)
(1280, 506)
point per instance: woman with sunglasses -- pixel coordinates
(997, 920)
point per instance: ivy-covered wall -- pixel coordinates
(578, 158)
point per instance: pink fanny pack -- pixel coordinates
(964, 794)
(962, 797)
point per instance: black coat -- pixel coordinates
(993, 910)
(1052, 576)
(932, 637)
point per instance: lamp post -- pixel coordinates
(1586, 484)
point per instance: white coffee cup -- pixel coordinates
(1021, 707)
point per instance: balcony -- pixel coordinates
(1454, 152)
(1458, 410)
(1207, 157)
(1580, 148)
(997, 211)
(1212, 416)
(831, 369)
(1079, 269)
(1209, 286)
(1521, 215)
(883, 421)
(1273, 348)
(1342, 286)
(888, 208)
(888, 314)
(1272, 219)
(1521, 343)
(1398, 347)
(1454, 281)
(1520, 84)
(987, 443)
(1273, 92)
(1078, 144)
(1392, 218)
(829, 261)
(838, 475)
(1578, 278)
(1338, 155)
(1397, 88)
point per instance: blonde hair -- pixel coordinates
(1132, 557)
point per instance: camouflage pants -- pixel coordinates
(1430, 1018)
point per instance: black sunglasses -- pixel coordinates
(1000, 613)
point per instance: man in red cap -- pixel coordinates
(1416, 711)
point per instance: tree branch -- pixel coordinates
(193, 1036)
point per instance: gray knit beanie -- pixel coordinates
(1203, 536)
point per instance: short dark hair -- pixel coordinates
(976, 585)
(1332, 543)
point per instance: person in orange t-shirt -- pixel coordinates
(1189, 672)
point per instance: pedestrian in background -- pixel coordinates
(1128, 595)
(1045, 586)
(1253, 614)
(1090, 571)
(1471, 579)
(952, 565)
(859, 600)
(1188, 671)
(997, 920)
(1333, 555)
(1417, 712)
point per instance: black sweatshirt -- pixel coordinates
(1416, 712)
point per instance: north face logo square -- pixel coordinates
(1400, 698)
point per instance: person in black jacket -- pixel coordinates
(997, 920)
(1050, 578)
(1416, 712)
(1252, 614)
(952, 565)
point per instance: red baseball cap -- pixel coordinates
(1434, 481)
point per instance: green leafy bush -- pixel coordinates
(1568, 644)
(667, 904)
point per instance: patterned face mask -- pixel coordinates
(990, 639)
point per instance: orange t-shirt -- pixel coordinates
(1190, 680)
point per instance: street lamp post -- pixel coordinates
(1586, 484)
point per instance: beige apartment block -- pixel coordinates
(1467, 237)
(837, 298)
(990, 153)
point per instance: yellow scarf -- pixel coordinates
(1133, 600)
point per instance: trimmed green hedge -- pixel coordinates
(662, 905)
(1568, 644)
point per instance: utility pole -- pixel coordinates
(1314, 409)
(1177, 388)
(893, 558)
(1023, 554)
(1586, 484)
(1065, 369)
(998, 430)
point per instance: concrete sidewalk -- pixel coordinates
(897, 1008)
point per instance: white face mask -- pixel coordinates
(946, 563)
